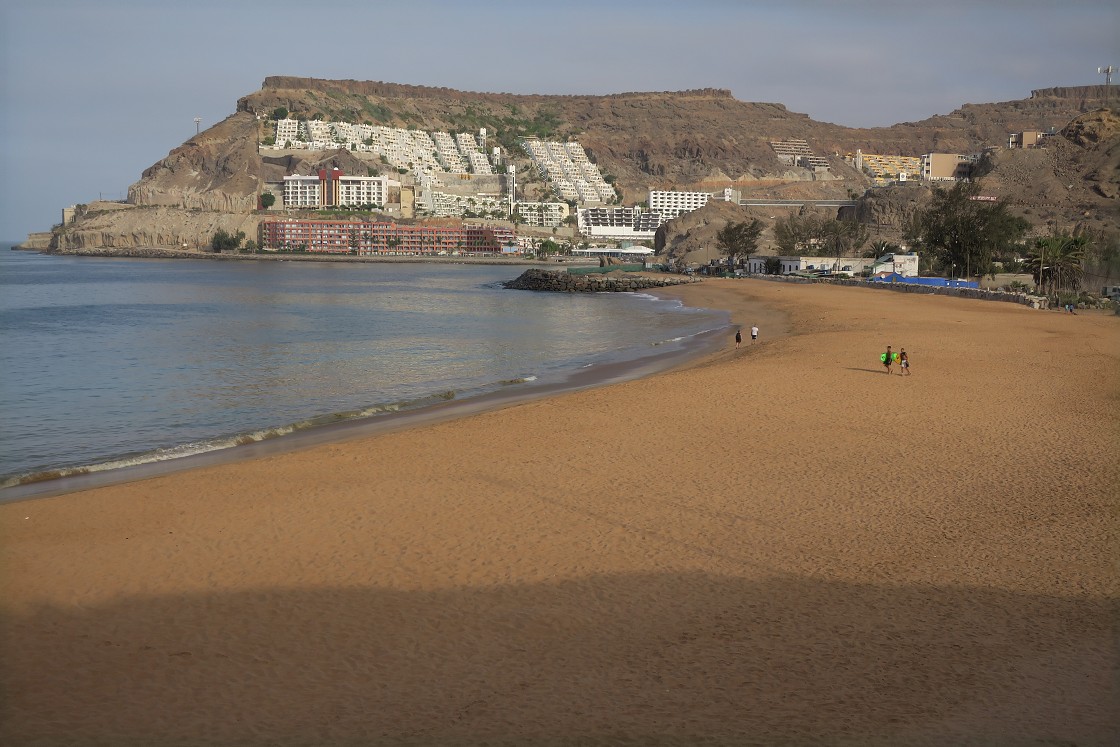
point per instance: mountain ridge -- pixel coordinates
(695, 139)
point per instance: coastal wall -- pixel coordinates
(564, 282)
(1035, 302)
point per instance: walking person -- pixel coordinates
(888, 359)
(754, 333)
(904, 362)
(738, 338)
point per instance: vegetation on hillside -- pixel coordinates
(739, 240)
(964, 234)
(222, 241)
(813, 236)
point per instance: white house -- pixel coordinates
(905, 265)
(789, 264)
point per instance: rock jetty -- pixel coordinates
(565, 282)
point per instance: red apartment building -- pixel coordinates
(370, 238)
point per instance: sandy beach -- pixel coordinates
(774, 545)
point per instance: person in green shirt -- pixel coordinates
(887, 358)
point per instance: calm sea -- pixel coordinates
(106, 363)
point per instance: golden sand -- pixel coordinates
(777, 545)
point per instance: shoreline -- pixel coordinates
(700, 346)
(155, 252)
(777, 545)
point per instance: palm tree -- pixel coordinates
(881, 247)
(1055, 262)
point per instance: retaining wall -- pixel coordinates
(1035, 302)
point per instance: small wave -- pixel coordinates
(195, 448)
(518, 380)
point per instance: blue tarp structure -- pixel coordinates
(894, 277)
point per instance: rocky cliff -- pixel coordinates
(701, 139)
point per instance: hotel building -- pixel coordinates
(370, 238)
(619, 223)
(333, 188)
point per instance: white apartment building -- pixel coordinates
(446, 205)
(448, 153)
(673, 204)
(287, 131)
(618, 223)
(302, 191)
(363, 190)
(542, 214)
(571, 172)
(334, 189)
(401, 148)
(479, 163)
(320, 131)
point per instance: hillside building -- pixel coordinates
(618, 223)
(1029, 139)
(884, 170)
(401, 148)
(796, 152)
(946, 167)
(672, 204)
(542, 214)
(370, 238)
(571, 172)
(333, 188)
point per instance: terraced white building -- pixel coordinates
(415, 150)
(571, 172)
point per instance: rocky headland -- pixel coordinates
(687, 140)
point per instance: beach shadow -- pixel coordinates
(642, 659)
(877, 371)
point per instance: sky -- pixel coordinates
(92, 92)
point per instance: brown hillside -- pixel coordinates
(669, 140)
(700, 139)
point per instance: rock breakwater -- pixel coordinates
(565, 282)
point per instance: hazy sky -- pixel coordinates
(92, 92)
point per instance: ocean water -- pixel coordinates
(111, 362)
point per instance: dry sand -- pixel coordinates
(777, 545)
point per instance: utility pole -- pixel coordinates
(1107, 72)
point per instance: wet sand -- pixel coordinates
(775, 545)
